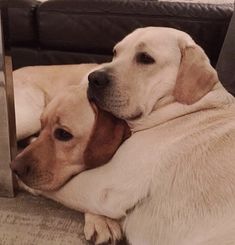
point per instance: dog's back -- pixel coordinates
(192, 196)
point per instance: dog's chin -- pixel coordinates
(127, 116)
(36, 188)
(106, 101)
(134, 116)
(116, 109)
(22, 186)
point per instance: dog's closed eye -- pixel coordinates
(144, 58)
(62, 135)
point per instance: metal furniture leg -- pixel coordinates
(7, 122)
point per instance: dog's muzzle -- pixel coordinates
(98, 79)
(99, 82)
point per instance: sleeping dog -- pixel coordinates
(75, 134)
(173, 181)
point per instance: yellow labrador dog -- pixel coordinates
(173, 181)
(75, 134)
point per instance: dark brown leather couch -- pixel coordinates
(77, 31)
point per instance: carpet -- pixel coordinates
(30, 220)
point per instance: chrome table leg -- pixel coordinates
(7, 122)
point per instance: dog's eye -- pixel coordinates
(62, 135)
(144, 58)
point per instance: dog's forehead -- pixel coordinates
(64, 101)
(70, 108)
(80, 122)
(153, 36)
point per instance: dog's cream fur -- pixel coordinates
(34, 88)
(173, 181)
(56, 92)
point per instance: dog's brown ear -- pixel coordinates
(196, 77)
(108, 134)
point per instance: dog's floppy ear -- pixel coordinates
(108, 134)
(196, 77)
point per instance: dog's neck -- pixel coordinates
(168, 109)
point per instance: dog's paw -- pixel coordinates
(100, 229)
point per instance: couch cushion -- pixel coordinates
(225, 65)
(23, 56)
(94, 26)
(21, 21)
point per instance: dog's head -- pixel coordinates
(149, 65)
(75, 136)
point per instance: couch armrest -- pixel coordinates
(20, 23)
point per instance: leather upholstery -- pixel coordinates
(75, 31)
(226, 62)
(21, 24)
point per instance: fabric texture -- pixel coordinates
(29, 220)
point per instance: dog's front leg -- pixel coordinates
(110, 190)
(101, 229)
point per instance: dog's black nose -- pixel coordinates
(98, 79)
(20, 168)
